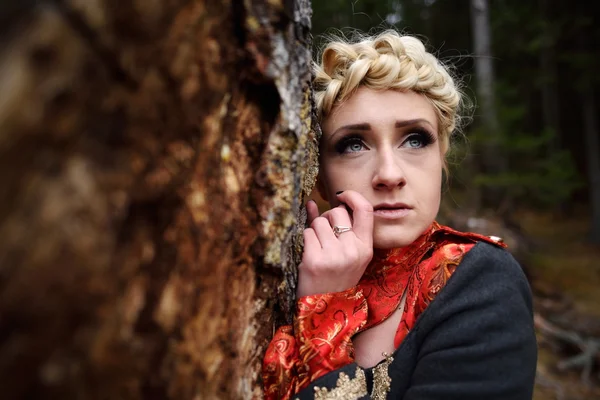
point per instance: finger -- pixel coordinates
(312, 211)
(311, 241)
(338, 216)
(324, 232)
(362, 212)
(348, 209)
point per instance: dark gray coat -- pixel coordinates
(475, 341)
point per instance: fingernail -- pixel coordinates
(340, 192)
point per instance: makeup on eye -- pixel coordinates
(350, 144)
(420, 138)
(415, 138)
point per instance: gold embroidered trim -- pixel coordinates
(345, 388)
(381, 379)
(355, 388)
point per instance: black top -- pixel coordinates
(475, 341)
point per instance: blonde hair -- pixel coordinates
(388, 60)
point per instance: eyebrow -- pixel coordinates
(408, 122)
(365, 126)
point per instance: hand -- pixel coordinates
(334, 264)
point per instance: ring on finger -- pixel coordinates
(338, 230)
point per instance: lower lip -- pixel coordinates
(392, 213)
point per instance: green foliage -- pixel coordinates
(544, 182)
(539, 174)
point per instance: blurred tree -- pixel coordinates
(593, 159)
(549, 30)
(493, 159)
(539, 173)
(153, 158)
(588, 66)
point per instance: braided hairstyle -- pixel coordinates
(388, 60)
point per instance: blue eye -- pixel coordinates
(350, 145)
(356, 146)
(418, 140)
(414, 142)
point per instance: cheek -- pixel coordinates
(333, 178)
(329, 181)
(346, 177)
(334, 182)
(430, 183)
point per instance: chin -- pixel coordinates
(388, 241)
(391, 237)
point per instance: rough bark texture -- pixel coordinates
(153, 159)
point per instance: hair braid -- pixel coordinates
(387, 61)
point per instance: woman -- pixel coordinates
(390, 303)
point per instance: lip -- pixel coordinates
(391, 210)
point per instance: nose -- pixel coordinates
(389, 173)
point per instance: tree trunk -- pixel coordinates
(492, 157)
(484, 69)
(592, 145)
(153, 160)
(549, 70)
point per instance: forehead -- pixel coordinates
(380, 106)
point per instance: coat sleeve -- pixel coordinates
(481, 343)
(318, 343)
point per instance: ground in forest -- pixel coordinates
(565, 271)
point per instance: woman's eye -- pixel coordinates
(414, 142)
(352, 145)
(418, 140)
(355, 146)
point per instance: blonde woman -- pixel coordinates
(390, 303)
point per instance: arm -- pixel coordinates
(482, 343)
(318, 344)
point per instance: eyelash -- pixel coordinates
(424, 135)
(345, 142)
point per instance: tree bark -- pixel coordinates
(153, 159)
